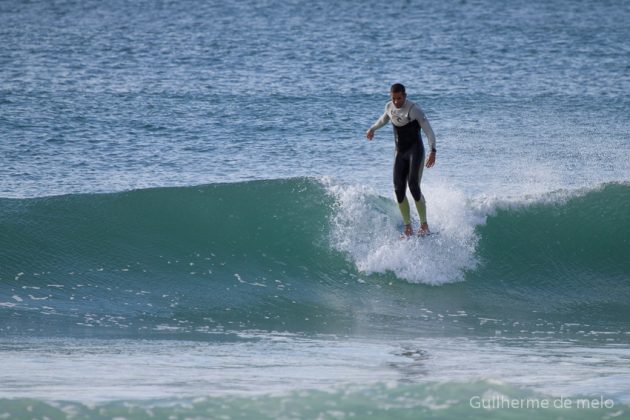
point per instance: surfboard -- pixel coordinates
(415, 235)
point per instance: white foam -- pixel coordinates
(366, 227)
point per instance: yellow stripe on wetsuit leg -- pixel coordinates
(404, 210)
(421, 206)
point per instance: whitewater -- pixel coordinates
(193, 225)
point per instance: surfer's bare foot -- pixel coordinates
(408, 230)
(424, 230)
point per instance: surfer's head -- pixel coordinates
(398, 94)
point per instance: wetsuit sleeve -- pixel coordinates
(381, 121)
(418, 114)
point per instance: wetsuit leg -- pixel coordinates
(416, 165)
(401, 175)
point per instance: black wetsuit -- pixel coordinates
(409, 160)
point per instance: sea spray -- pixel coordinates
(367, 228)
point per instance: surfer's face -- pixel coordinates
(398, 98)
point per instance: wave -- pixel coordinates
(574, 245)
(252, 254)
(302, 254)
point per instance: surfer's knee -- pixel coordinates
(400, 193)
(400, 188)
(416, 193)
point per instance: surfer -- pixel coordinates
(407, 119)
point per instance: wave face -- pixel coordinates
(304, 255)
(217, 255)
(577, 245)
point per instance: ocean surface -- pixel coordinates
(192, 224)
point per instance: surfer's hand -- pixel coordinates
(369, 134)
(431, 160)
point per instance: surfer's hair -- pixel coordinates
(398, 88)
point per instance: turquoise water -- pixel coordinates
(129, 264)
(192, 224)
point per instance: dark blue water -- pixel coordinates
(104, 96)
